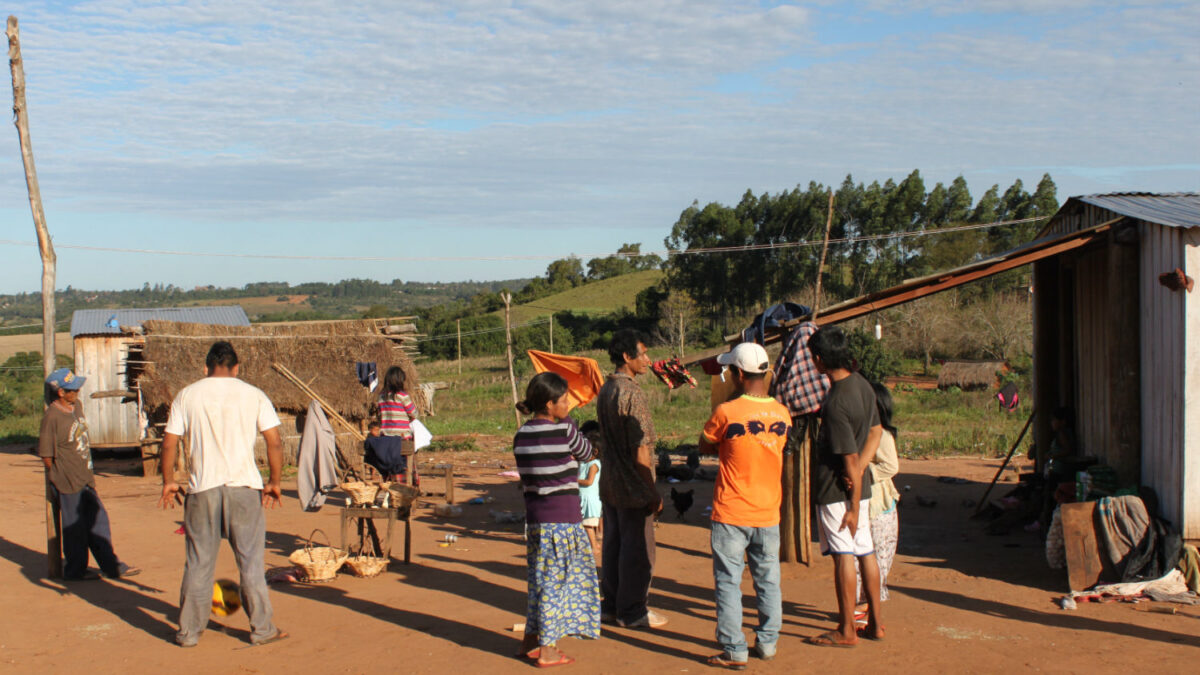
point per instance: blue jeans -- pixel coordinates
(760, 545)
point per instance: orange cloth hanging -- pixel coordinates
(582, 374)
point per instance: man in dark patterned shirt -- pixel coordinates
(627, 487)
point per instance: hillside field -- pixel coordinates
(597, 297)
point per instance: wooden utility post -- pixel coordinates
(46, 249)
(821, 264)
(512, 378)
(681, 337)
(551, 333)
(458, 329)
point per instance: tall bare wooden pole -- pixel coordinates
(551, 333)
(512, 378)
(824, 248)
(458, 329)
(46, 249)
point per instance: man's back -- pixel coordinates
(221, 418)
(751, 433)
(625, 425)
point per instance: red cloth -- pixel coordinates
(672, 373)
(582, 374)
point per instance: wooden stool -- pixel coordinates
(364, 516)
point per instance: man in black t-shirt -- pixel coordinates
(849, 435)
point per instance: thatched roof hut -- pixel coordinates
(322, 354)
(971, 374)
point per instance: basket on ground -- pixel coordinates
(360, 492)
(366, 565)
(320, 563)
(403, 495)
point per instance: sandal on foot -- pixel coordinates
(719, 661)
(563, 660)
(533, 654)
(830, 640)
(279, 635)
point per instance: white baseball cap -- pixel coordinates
(749, 357)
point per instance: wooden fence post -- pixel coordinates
(551, 333)
(458, 329)
(512, 378)
(46, 249)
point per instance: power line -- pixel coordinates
(505, 258)
(447, 336)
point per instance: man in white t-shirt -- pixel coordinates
(222, 417)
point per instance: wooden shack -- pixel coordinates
(108, 352)
(1115, 338)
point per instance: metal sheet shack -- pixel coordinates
(108, 345)
(1117, 338)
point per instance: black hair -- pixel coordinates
(51, 394)
(749, 376)
(625, 343)
(589, 426)
(374, 424)
(221, 354)
(543, 389)
(883, 403)
(830, 344)
(393, 381)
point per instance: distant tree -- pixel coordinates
(677, 320)
(564, 274)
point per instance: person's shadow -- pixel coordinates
(124, 598)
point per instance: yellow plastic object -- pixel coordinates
(227, 597)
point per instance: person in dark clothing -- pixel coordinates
(65, 451)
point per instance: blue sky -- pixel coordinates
(490, 128)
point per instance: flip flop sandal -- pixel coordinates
(828, 640)
(563, 660)
(534, 654)
(719, 661)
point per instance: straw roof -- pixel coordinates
(970, 374)
(322, 354)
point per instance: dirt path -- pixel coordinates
(962, 601)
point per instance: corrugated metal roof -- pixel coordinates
(96, 321)
(1175, 209)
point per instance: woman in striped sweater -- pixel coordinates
(564, 594)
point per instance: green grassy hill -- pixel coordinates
(598, 297)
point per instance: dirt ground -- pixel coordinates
(962, 601)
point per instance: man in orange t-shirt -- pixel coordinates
(748, 434)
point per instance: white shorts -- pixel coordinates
(591, 522)
(829, 516)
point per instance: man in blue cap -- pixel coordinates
(63, 447)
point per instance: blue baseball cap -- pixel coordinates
(63, 378)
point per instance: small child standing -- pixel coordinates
(589, 490)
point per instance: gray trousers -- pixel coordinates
(236, 514)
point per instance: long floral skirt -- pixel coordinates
(885, 533)
(564, 595)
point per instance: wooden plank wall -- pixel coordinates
(1163, 368)
(1092, 326)
(1190, 487)
(101, 360)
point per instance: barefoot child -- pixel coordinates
(564, 594)
(589, 490)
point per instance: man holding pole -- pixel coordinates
(221, 416)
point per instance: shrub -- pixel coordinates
(875, 359)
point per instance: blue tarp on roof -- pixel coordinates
(107, 321)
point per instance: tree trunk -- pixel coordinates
(46, 249)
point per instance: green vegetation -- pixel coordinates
(599, 297)
(21, 392)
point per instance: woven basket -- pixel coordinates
(360, 492)
(403, 495)
(366, 565)
(319, 563)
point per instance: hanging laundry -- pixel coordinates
(672, 373)
(582, 374)
(368, 374)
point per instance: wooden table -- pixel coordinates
(364, 517)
